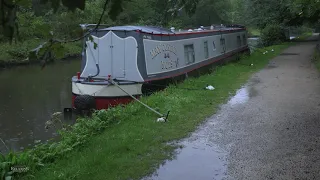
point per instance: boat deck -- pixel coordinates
(163, 31)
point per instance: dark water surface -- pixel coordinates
(28, 98)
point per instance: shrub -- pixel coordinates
(273, 34)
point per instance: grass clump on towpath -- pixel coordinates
(127, 142)
(316, 56)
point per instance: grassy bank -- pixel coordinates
(17, 53)
(316, 56)
(127, 143)
(303, 36)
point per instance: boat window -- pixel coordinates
(206, 50)
(244, 39)
(189, 54)
(213, 46)
(238, 41)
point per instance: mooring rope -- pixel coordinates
(5, 145)
(116, 84)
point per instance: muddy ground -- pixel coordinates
(269, 130)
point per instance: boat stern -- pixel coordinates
(101, 94)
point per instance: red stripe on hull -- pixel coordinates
(107, 102)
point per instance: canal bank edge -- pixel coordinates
(15, 63)
(138, 146)
(16, 54)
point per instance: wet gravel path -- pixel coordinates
(269, 130)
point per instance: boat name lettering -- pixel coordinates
(174, 63)
(162, 48)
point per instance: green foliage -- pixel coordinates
(55, 16)
(32, 26)
(58, 20)
(177, 24)
(9, 25)
(16, 53)
(260, 13)
(273, 34)
(297, 31)
(206, 13)
(308, 10)
(19, 53)
(253, 32)
(11, 160)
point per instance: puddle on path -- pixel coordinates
(241, 97)
(200, 158)
(197, 160)
(244, 94)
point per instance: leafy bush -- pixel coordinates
(19, 52)
(177, 24)
(32, 26)
(73, 48)
(273, 34)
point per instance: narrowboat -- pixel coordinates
(134, 56)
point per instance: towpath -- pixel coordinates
(269, 130)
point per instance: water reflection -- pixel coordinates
(29, 96)
(199, 159)
(241, 97)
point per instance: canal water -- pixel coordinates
(28, 98)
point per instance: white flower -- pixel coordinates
(210, 87)
(161, 119)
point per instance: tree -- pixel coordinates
(307, 10)
(10, 10)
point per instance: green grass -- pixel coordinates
(316, 58)
(253, 31)
(134, 145)
(303, 36)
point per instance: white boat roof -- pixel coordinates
(161, 30)
(146, 29)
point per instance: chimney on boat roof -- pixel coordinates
(83, 26)
(172, 29)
